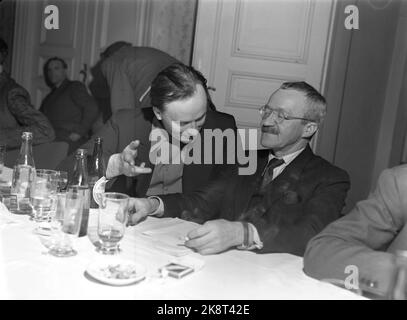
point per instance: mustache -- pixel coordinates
(270, 129)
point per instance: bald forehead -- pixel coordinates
(289, 98)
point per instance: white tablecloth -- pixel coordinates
(28, 272)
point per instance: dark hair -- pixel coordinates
(45, 68)
(176, 82)
(55, 59)
(316, 103)
(115, 46)
(3, 49)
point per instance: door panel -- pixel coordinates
(248, 48)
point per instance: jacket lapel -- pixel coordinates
(248, 185)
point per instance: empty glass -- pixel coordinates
(112, 221)
(66, 222)
(43, 195)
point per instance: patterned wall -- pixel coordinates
(7, 15)
(172, 27)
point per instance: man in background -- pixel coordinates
(17, 114)
(69, 107)
(122, 77)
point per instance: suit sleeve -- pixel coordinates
(204, 204)
(279, 232)
(87, 104)
(29, 119)
(360, 238)
(200, 205)
(121, 91)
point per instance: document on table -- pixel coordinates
(168, 234)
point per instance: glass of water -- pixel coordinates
(43, 195)
(68, 218)
(112, 221)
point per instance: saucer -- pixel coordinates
(117, 272)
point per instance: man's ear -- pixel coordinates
(309, 130)
(157, 113)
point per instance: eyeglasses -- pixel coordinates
(266, 111)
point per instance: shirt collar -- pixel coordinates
(288, 157)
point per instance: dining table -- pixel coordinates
(29, 271)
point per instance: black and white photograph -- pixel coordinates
(193, 152)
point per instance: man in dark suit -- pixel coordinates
(180, 112)
(69, 107)
(292, 196)
(365, 240)
(122, 77)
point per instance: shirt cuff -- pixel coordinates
(160, 210)
(254, 241)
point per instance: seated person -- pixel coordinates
(17, 114)
(291, 197)
(69, 107)
(367, 237)
(179, 110)
(128, 71)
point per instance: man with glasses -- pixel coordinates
(291, 197)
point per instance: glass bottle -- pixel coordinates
(96, 167)
(23, 175)
(79, 183)
(398, 288)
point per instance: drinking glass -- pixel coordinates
(74, 203)
(112, 221)
(60, 209)
(43, 195)
(68, 217)
(62, 180)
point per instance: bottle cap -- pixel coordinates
(81, 152)
(27, 135)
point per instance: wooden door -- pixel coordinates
(247, 48)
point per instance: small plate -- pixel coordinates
(117, 272)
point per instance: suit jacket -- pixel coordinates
(18, 115)
(299, 203)
(70, 108)
(366, 237)
(130, 71)
(128, 125)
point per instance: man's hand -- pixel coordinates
(124, 163)
(215, 236)
(74, 136)
(140, 208)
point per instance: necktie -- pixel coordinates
(268, 171)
